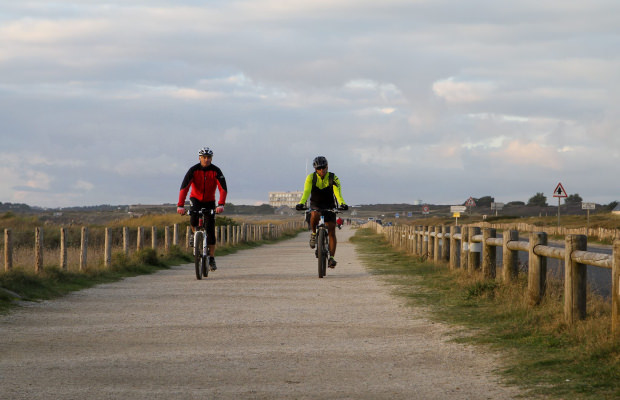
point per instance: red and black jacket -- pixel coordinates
(203, 181)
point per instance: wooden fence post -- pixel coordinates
(445, 247)
(83, 248)
(489, 254)
(140, 239)
(175, 235)
(424, 241)
(154, 237)
(537, 269)
(575, 280)
(473, 262)
(107, 257)
(454, 249)
(63, 248)
(615, 290)
(167, 239)
(464, 248)
(125, 240)
(510, 258)
(8, 250)
(188, 234)
(228, 238)
(436, 253)
(38, 250)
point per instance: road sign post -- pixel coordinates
(456, 212)
(588, 207)
(470, 203)
(559, 192)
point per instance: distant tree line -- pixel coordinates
(5, 207)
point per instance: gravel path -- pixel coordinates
(261, 327)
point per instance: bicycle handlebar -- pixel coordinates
(334, 210)
(203, 211)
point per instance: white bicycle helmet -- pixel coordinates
(206, 152)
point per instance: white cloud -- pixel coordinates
(454, 91)
(122, 92)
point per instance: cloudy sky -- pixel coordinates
(433, 100)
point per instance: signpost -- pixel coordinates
(588, 207)
(497, 207)
(425, 210)
(456, 212)
(559, 192)
(456, 215)
(470, 203)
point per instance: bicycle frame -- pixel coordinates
(201, 260)
(322, 245)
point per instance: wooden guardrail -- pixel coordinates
(474, 249)
(229, 235)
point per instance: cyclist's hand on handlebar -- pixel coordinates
(344, 207)
(219, 209)
(180, 210)
(299, 207)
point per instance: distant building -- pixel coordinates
(289, 199)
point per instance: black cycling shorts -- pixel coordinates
(196, 205)
(329, 215)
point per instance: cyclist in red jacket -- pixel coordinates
(203, 178)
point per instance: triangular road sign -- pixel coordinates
(559, 191)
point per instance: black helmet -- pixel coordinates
(319, 162)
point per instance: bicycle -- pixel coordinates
(322, 240)
(201, 248)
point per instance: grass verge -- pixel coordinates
(540, 352)
(25, 285)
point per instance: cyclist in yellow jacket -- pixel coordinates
(324, 190)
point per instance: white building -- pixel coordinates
(289, 199)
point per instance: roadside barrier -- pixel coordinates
(473, 249)
(229, 235)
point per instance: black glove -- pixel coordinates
(344, 207)
(299, 207)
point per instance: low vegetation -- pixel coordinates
(539, 351)
(22, 283)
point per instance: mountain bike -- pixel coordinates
(322, 241)
(201, 248)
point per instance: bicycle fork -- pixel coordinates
(205, 250)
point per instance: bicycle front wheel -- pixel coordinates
(198, 259)
(322, 250)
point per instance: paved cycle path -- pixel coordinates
(261, 327)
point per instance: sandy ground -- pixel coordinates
(261, 327)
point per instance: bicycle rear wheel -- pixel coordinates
(198, 259)
(321, 243)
